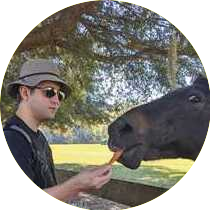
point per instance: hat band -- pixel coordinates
(41, 73)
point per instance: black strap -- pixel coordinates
(35, 157)
(15, 127)
(27, 137)
(40, 73)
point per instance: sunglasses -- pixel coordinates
(50, 92)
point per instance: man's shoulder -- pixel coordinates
(14, 120)
(16, 133)
(18, 143)
(14, 136)
(18, 125)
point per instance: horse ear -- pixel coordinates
(201, 82)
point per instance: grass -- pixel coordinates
(161, 173)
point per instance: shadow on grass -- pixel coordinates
(159, 176)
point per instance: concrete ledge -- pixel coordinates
(88, 201)
(127, 193)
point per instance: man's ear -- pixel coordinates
(24, 92)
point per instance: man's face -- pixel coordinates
(42, 102)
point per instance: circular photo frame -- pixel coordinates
(105, 105)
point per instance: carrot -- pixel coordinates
(115, 156)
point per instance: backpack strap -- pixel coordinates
(35, 156)
(27, 137)
(20, 130)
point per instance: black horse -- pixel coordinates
(173, 126)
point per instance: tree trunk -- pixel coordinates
(172, 62)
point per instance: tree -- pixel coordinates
(113, 54)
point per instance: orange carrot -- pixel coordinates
(115, 156)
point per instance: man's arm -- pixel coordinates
(88, 179)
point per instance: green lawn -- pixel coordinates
(162, 173)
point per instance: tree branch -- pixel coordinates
(56, 31)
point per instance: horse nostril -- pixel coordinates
(126, 129)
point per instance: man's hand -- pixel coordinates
(93, 178)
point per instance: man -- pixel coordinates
(39, 92)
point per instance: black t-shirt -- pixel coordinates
(35, 158)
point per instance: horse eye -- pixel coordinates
(194, 99)
(126, 129)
